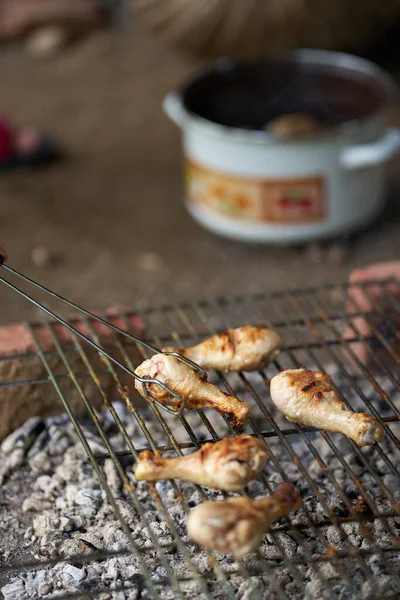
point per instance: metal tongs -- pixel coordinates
(143, 380)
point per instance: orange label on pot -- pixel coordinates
(300, 200)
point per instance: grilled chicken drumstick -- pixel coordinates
(237, 525)
(307, 397)
(242, 349)
(226, 465)
(188, 383)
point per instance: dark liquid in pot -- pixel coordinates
(252, 95)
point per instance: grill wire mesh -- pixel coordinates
(339, 503)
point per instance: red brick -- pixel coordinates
(19, 361)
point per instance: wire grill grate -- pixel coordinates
(330, 541)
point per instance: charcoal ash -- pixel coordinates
(14, 448)
(67, 513)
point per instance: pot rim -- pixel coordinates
(341, 60)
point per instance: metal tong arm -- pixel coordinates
(154, 349)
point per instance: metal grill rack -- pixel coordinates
(350, 494)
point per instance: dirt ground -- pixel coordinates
(111, 214)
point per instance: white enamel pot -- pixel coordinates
(244, 183)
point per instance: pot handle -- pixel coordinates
(173, 108)
(368, 155)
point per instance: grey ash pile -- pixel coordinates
(52, 506)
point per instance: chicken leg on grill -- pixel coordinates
(307, 397)
(226, 465)
(242, 349)
(188, 383)
(236, 526)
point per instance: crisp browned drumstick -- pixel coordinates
(226, 465)
(242, 349)
(308, 398)
(190, 385)
(237, 525)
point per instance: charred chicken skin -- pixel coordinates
(308, 398)
(226, 465)
(242, 349)
(237, 526)
(190, 385)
